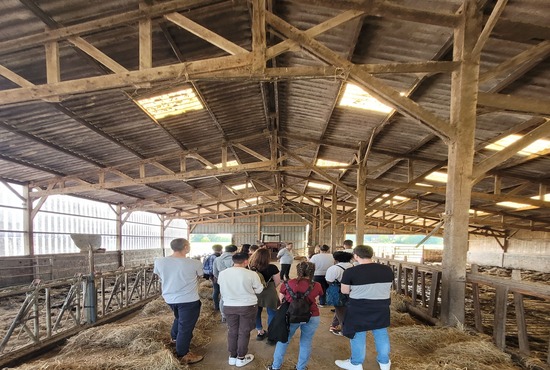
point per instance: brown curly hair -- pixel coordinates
(305, 270)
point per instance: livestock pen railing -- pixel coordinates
(43, 313)
(518, 324)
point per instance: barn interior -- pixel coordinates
(350, 117)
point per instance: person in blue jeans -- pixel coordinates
(368, 285)
(179, 277)
(304, 272)
(269, 298)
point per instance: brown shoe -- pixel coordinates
(191, 358)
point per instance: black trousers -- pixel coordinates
(285, 270)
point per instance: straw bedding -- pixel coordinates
(141, 343)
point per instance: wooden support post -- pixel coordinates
(28, 228)
(322, 223)
(406, 281)
(423, 288)
(399, 278)
(520, 317)
(434, 293)
(477, 306)
(333, 218)
(259, 228)
(414, 284)
(499, 325)
(464, 89)
(361, 191)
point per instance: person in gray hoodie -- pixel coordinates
(221, 263)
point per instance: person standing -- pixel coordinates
(322, 262)
(304, 272)
(368, 285)
(208, 271)
(221, 263)
(285, 257)
(179, 277)
(239, 287)
(269, 298)
(334, 274)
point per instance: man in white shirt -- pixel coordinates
(239, 287)
(322, 261)
(285, 257)
(179, 278)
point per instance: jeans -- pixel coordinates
(185, 318)
(285, 270)
(240, 321)
(359, 346)
(306, 337)
(270, 315)
(216, 295)
(321, 280)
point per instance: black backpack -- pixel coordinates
(299, 309)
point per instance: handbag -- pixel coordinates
(269, 297)
(278, 328)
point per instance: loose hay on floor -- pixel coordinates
(426, 339)
(156, 307)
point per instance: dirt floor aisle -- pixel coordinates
(327, 347)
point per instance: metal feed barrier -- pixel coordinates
(46, 312)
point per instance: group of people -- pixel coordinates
(245, 282)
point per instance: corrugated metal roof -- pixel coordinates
(92, 130)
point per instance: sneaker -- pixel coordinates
(270, 367)
(191, 358)
(261, 336)
(337, 332)
(244, 361)
(321, 305)
(346, 364)
(232, 361)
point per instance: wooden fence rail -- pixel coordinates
(422, 285)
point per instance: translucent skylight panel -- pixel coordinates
(317, 185)
(437, 176)
(171, 104)
(537, 147)
(356, 97)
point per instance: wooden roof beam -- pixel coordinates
(378, 89)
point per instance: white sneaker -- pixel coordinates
(232, 361)
(346, 364)
(244, 361)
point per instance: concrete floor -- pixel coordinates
(327, 347)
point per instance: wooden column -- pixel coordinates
(464, 87)
(333, 217)
(162, 230)
(118, 227)
(361, 195)
(28, 242)
(321, 223)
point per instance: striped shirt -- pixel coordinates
(369, 303)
